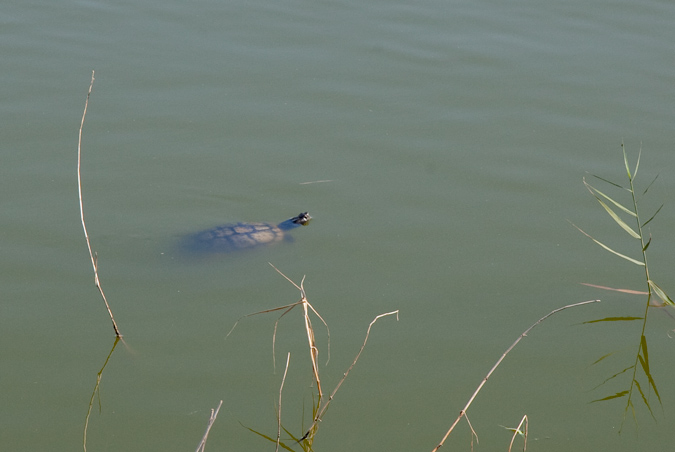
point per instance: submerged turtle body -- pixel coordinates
(238, 236)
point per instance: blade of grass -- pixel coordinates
(652, 217)
(625, 161)
(592, 189)
(610, 182)
(650, 184)
(630, 259)
(660, 293)
(611, 212)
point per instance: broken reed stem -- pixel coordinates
(517, 431)
(212, 419)
(462, 413)
(323, 409)
(313, 350)
(92, 255)
(281, 388)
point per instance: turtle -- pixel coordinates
(238, 236)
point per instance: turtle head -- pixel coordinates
(301, 220)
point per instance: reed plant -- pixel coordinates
(641, 381)
(321, 401)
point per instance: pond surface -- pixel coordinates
(440, 149)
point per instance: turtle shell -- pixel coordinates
(238, 236)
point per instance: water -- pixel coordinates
(444, 144)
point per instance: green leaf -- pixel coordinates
(613, 319)
(652, 217)
(620, 206)
(611, 213)
(637, 165)
(630, 259)
(644, 248)
(269, 438)
(660, 293)
(650, 184)
(625, 161)
(615, 396)
(610, 182)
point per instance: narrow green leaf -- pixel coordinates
(660, 293)
(637, 165)
(650, 184)
(612, 319)
(615, 396)
(618, 220)
(644, 399)
(644, 248)
(269, 438)
(652, 217)
(630, 259)
(625, 161)
(620, 206)
(610, 182)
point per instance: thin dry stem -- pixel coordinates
(517, 431)
(92, 255)
(323, 409)
(212, 419)
(281, 388)
(462, 413)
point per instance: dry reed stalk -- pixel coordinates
(313, 349)
(462, 413)
(281, 388)
(517, 431)
(92, 255)
(323, 409)
(212, 419)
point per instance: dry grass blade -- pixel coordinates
(212, 419)
(92, 255)
(462, 413)
(628, 291)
